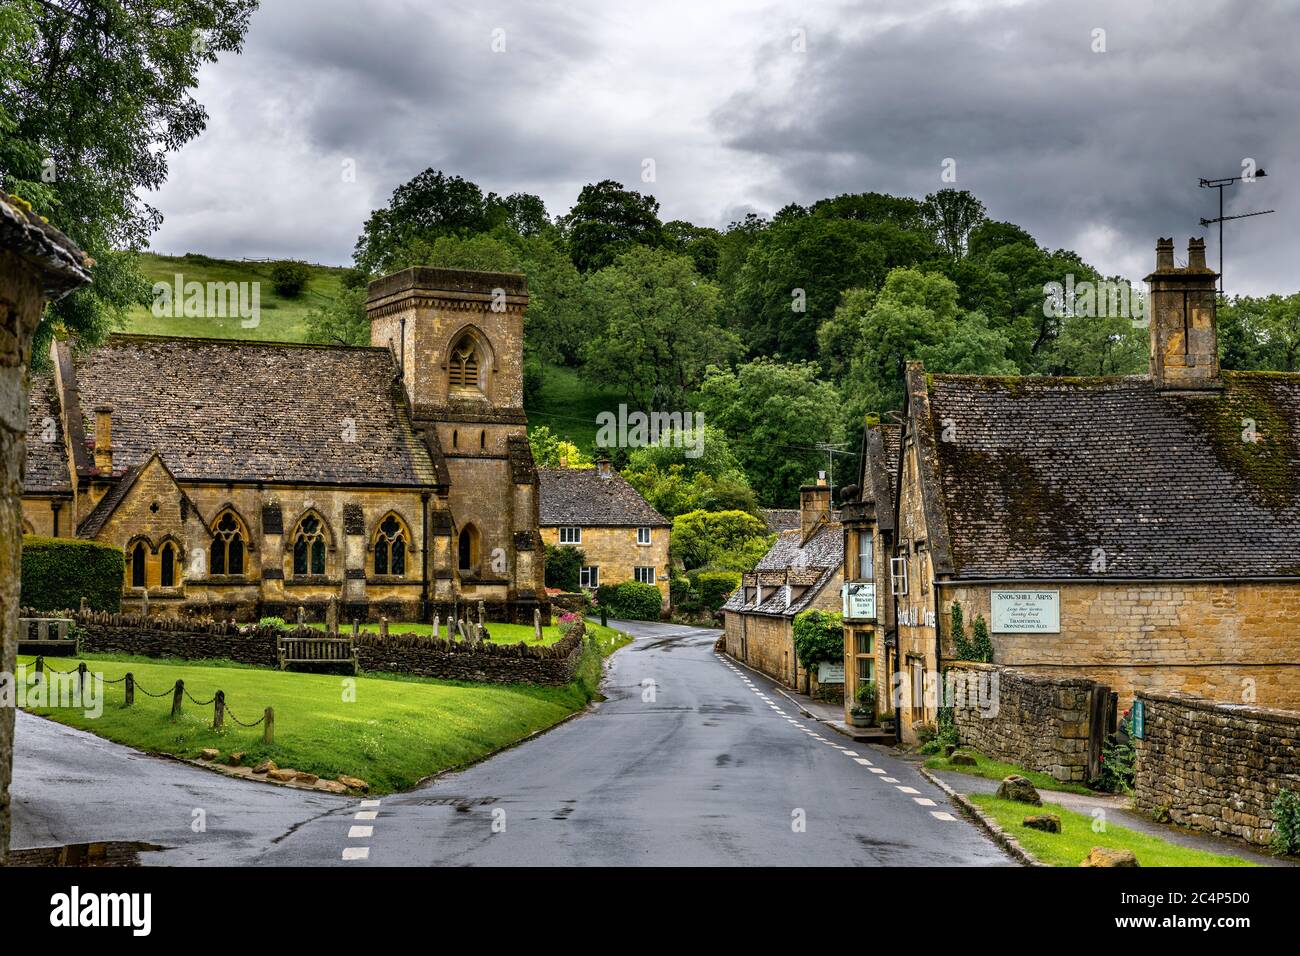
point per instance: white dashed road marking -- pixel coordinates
(356, 853)
(910, 791)
(924, 801)
(366, 815)
(360, 833)
(941, 815)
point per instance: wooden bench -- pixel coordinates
(51, 636)
(317, 650)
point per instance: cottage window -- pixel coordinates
(644, 575)
(309, 547)
(463, 365)
(589, 577)
(570, 536)
(227, 551)
(898, 576)
(642, 535)
(167, 571)
(390, 546)
(865, 561)
(137, 565)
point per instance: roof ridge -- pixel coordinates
(216, 340)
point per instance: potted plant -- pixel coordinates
(887, 721)
(863, 712)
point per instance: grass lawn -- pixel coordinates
(282, 320)
(396, 731)
(569, 403)
(994, 770)
(1076, 839)
(497, 633)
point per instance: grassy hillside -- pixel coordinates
(282, 320)
(569, 403)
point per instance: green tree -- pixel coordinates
(1261, 333)
(551, 451)
(606, 221)
(951, 214)
(673, 490)
(95, 95)
(723, 540)
(424, 208)
(563, 567)
(661, 327)
(774, 414)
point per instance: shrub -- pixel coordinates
(563, 567)
(683, 595)
(279, 623)
(59, 572)
(1286, 822)
(289, 278)
(714, 587)
(734, 540)
(818, 636)
(1119, 759)
(630, 600)
(981, 644)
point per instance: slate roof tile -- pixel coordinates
(581, 496)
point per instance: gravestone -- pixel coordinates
(332, 616)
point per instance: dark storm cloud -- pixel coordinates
(1101, 149)
(1096, 151)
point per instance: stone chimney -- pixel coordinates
(814, 504)
(104, 438)
(603, 468)
(1181, 306)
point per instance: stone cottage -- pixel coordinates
(596, 511)
(1142, 531)
(803, 570)
(251, 478)
(37, 264)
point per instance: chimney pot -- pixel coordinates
(1165, 255)
(1195, 253)
(104, 438)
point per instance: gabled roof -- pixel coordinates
(781, 519)
(46, 464)
(94, 522)
(1098, 478)
(812, 564)
(880, 452)
(583, 497)
(221, 410)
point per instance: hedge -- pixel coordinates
(563, 567)
(630, 600)
(59, 572)
(714, 587)
(818, 637)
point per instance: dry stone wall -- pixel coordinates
(1216, 767)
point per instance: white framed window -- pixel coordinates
(589, 577)
(898, 575)
(643, 537)
(571, 535)
(644, 575)
(866, 568)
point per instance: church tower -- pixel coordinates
(458, 338)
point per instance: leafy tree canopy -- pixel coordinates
(606, 221)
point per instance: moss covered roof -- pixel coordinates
(1109, 477)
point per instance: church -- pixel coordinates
(245, 479)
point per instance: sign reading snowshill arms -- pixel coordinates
(1026, 612)
(859, 601)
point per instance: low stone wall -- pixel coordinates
(1216, 767)
(1039, 723)
(200, 639)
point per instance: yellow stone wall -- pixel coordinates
(38, 516)
(766, 643)
(1225, 642)
(616, 553)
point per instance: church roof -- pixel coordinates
(46, 468)
(221, 410)
(1093, 478)
(583, 497)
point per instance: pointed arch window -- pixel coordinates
(467, 550)
(391, 545)
(137, 565)
(167, 569)
(463, 365)
(227, 551)
(309, 546)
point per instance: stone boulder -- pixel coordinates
(960, 758)
(1103, 856)
(354, 783)
(302, 776)
(331, 786)
(236, 758)
(266, 766)
(284, 776)
(1017, 788)
(209, 753)
(1047, 822)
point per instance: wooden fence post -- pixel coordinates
(219, 710)
(176, 697)
(81, 678)
(130, 689)
(268, 726)
(40, 667)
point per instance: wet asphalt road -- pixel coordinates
(691, 761)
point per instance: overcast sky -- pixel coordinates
(1096, 151)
